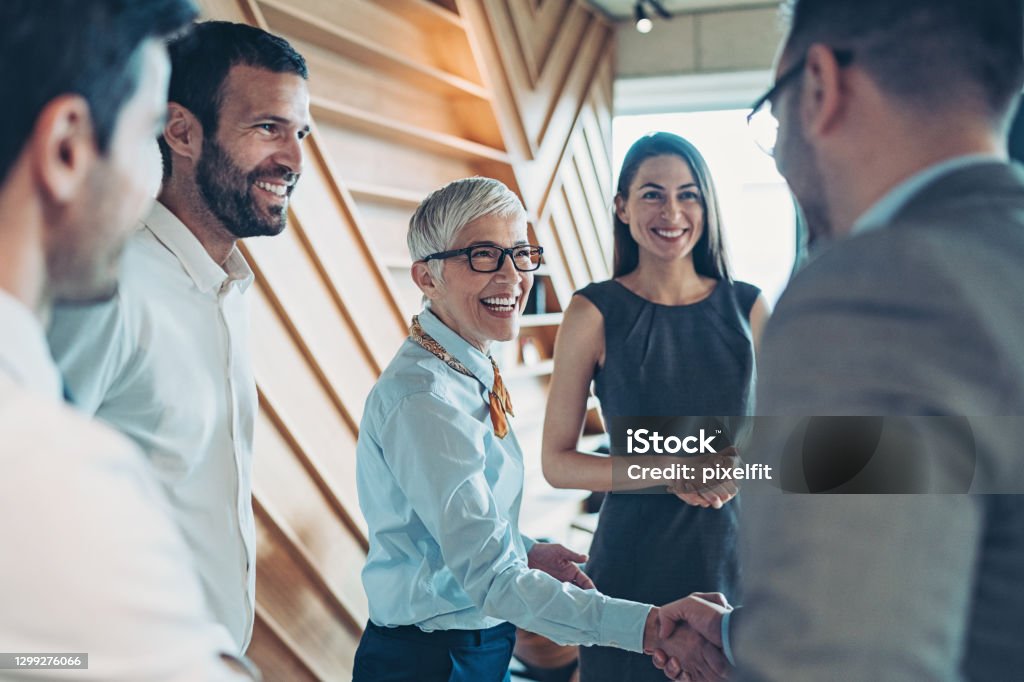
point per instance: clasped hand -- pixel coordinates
(713, 493)
(689, 643)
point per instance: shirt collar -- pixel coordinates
(204, 271)
(463, 351)
(885, 209)
(24, 355)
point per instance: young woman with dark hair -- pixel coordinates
(672, 334)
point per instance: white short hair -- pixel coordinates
(437, 221)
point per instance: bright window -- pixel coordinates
(758, 215)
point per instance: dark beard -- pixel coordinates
(226, 190)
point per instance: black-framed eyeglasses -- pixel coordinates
(491, 258)
(762, 122)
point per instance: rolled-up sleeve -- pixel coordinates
(437, 454)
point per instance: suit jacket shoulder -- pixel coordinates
(928, 306)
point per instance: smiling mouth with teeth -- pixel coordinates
(501, 304)
(671, 234)
(279, 190)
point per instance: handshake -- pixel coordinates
(685, 638)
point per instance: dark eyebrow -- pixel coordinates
(657, 186)
(279, 119)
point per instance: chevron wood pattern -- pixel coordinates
(407, 96)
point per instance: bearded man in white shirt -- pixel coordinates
(166, 361)
(93, 563)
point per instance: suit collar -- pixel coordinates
(882, 212)
(953, 191)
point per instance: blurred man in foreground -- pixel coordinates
(93, 562)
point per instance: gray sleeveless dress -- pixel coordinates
(690, 360)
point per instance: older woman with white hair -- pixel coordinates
(440, 473)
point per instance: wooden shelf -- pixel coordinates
(425, 14)
(544, 320)
(305, 26)
(403, 133)
(540, 369)
(362, 191)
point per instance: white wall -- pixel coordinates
(700, 42)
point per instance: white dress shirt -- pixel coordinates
(92, 562)
(167, 363)
(24, 356)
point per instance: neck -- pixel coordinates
(182, 198)
(481, 345)
(893, 159)
(674, 282)
(23, 269)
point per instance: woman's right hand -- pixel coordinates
(713, 494)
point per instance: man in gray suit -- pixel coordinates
(892, 121)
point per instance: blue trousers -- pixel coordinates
(407, 654)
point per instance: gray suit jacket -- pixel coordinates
(923, 317)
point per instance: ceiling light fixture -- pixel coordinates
(643, 22)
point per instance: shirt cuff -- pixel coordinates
(622, 624)
(528, 542)
(726, 644)
(242, 664)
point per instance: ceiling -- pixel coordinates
(623, 9)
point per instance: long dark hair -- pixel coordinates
(709, 253)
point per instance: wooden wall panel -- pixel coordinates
(306, 405)
(303, 611)
(347, 81)
(309, 515)
(275, 654)
(408, 95)
(391, 165)
(329, 341)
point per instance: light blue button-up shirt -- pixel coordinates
(441, 496)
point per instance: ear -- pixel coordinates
(621, 209)
(425, 280)
(62, 148)
(824, 92)
(183, 133)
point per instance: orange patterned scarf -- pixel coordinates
(500, 402)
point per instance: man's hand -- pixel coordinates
(698, 614)
(559, 562)
(702, 611)
(687, 653)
